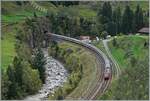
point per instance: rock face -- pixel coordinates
(56, 75)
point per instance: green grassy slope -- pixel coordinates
(11, 9)
(144, 5)
(133, 4)
(13, 13)
(133, 44)
(12, 16)
(85, 11)
(7, 45)
(132, 57)
(89, 70)
(100, 45)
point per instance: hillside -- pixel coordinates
(131, 52)
(79, 85)
(14, 12)
(26, 29)
(11, 11)
(8, 45)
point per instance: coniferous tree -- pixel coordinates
(138, 18)
(5, 83)
(111, 28)
(105, 13)
(127, 20)
(30, 79)
(18, 67)
(21, 80)
(39, 63)
(117, 19)
(14, 90)
(105, 17)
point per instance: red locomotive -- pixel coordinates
(107, 74)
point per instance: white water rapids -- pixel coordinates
(56, 75)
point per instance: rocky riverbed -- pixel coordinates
(56, 75)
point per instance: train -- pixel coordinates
(107, 69)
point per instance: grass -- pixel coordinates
(18, 17)
(8, 36)
(7, 46)
(100, 45)
(133, 82)
(119, 56)
(13, 14)
(135, 45)
(89, 70)
(143, 4)
(87, 13)
(133, 4)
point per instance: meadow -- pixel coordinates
(131, 53)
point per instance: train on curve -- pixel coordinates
(107, 69)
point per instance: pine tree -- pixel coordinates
(105, 17)
(31, 79)
(127, 20)
(105, 13)
(5, 83)
(21, 80)
(111, 28)
(13, 89)
(18, 67)
(138, 18)
(35, 15)
(39, 63)
(117, 19)
(114, 42)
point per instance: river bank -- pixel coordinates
(56, 75)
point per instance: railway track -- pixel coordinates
(101, 85)
(117, 70)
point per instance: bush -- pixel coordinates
(31, 80)
(72, 64)
(114, 42)
(38, 62)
